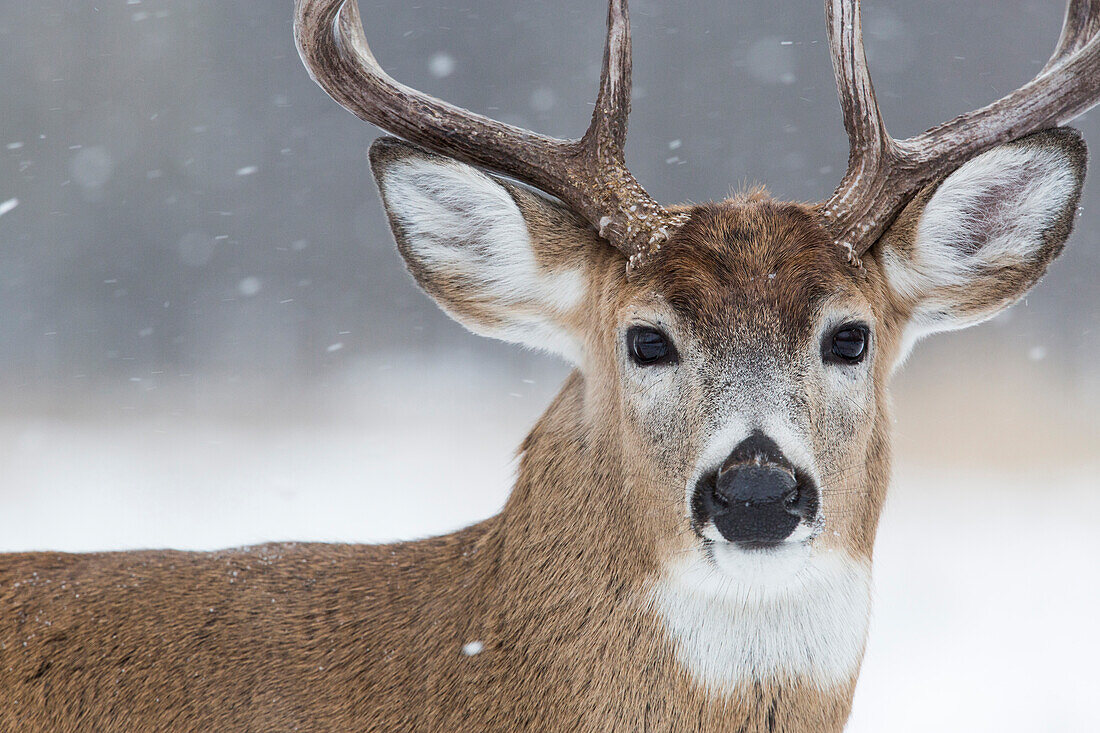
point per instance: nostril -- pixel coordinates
(802, 502)
(719, 499)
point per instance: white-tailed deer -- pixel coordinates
(688, 543)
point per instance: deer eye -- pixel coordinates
(648, 346)
(846, 345)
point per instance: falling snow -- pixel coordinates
(92, 167)
(441, 65)
(249, 286)
(543, 99)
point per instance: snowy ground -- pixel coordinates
(986, 581)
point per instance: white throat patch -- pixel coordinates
(795, 613)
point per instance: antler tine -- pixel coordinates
(872, 194)
(870, 149)
(608, 126)
(641, 221)
(862, 118)
(1082, 23)
(588, 174)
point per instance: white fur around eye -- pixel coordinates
(461, 227)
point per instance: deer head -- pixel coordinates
(732, 357)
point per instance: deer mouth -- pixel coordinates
(775, 565)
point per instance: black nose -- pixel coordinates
(757, 497)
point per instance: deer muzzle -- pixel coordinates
(757, 498)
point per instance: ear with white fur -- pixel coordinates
(964, 251)
(500, 259)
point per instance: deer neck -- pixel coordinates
(564, 506)
(572, 566)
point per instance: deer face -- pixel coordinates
(759, 424)
(740, 376)
(742, 371)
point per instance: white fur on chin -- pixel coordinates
(792, 613)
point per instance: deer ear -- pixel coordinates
(500, 259)
(964, 251)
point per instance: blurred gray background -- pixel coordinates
(207, 338)
(194, 215)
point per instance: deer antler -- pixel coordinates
(884, 173)
(588, 174)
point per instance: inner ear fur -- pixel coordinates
(970, 245)
(503, 260)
